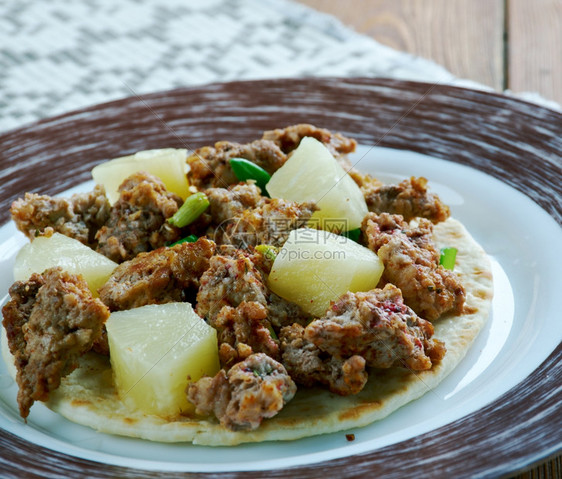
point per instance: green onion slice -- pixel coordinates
(353, 234)
(246, 170)
(270, 252)
(193, 207)
(272, 332)
(187, 239)
(448, 258)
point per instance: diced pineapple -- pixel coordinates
(153, 351)
(312, 173)
(315, 267)
(71, 255)
(168, 164)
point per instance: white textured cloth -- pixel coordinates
(60, 55)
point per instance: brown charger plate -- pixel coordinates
(514, 141)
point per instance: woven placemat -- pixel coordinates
(61, 55)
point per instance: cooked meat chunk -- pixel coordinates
(50, 320)
(229, 282)
(269, 223)
(93, 208)
(137, 221)
(234, 279)
(79, 217)
(283, 313)
(263, 258)
(252, 390)
(290, 137)
(242, 331)
(226, 204)
(309, 366)
(410, 198)
(411, 262)
(158, 277)
(210, 167)
(378, 326)
(366, 182)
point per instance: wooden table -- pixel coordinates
(505, 44)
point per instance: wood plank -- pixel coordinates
(464, 36)
(535, 47)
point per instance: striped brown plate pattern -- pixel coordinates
(514, 141)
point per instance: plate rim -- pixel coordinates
(537, 383)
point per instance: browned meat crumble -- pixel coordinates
(309, 366)
(252, 390)
(234, 279)
(367, 183)
(269, 223)
(79, 217)
(157, 277)
(137, 221)
(229, 281)
(379, 327)
(226, 204)
(50, 320)
(243, 331)
(210, 168)
(410, 198)
(411, 262)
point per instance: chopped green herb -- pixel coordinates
(187, 239)
(263, 372)
(246, 170)
(448, 258)
(270, 252)
(272, 332)
(193, 207)
(353, 234)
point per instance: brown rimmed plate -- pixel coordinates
(514, 143)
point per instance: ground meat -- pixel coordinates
(93, 208)
(233, 279)
(263, 259)
(226, 204)
(252, 390)
(229, 281)
(378, 326)
(79, 217)
(158, 277)
(411, 262)
(410, 198)
(309, 366)
(367, 183)
(269, 223)
(242, 331)
(289, 138)
(50, 320)
(137, 221)
(283, 313)
(210, 168)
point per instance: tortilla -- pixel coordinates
(88, 396)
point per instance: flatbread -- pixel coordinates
(88, 396)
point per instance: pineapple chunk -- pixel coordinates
(316, 267)
(168, 164)
(312, 173)
(59, 250)
(153, 351)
